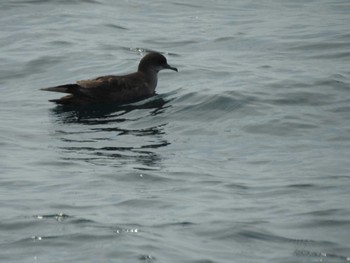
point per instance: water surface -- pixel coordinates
(242, 156)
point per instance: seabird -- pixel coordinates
(116, 89)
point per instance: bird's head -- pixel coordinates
(154, 62)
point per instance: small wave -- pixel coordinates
(322, 256)
(279, 128)
(301, 98)
(114, 26)
(62, 2)
(321, 46)
(58, 217)
(207, 106)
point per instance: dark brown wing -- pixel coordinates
(115, 88)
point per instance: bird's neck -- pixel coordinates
(151, 78)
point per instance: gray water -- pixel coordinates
(242, 156)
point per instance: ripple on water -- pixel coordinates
(98, 134)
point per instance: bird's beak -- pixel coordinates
(167, 66)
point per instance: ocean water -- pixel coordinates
(242, 156)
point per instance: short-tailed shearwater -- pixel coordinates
(116, 89)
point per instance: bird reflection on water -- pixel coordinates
(101, 134)
(100, 113)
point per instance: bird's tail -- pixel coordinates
(68, 88)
